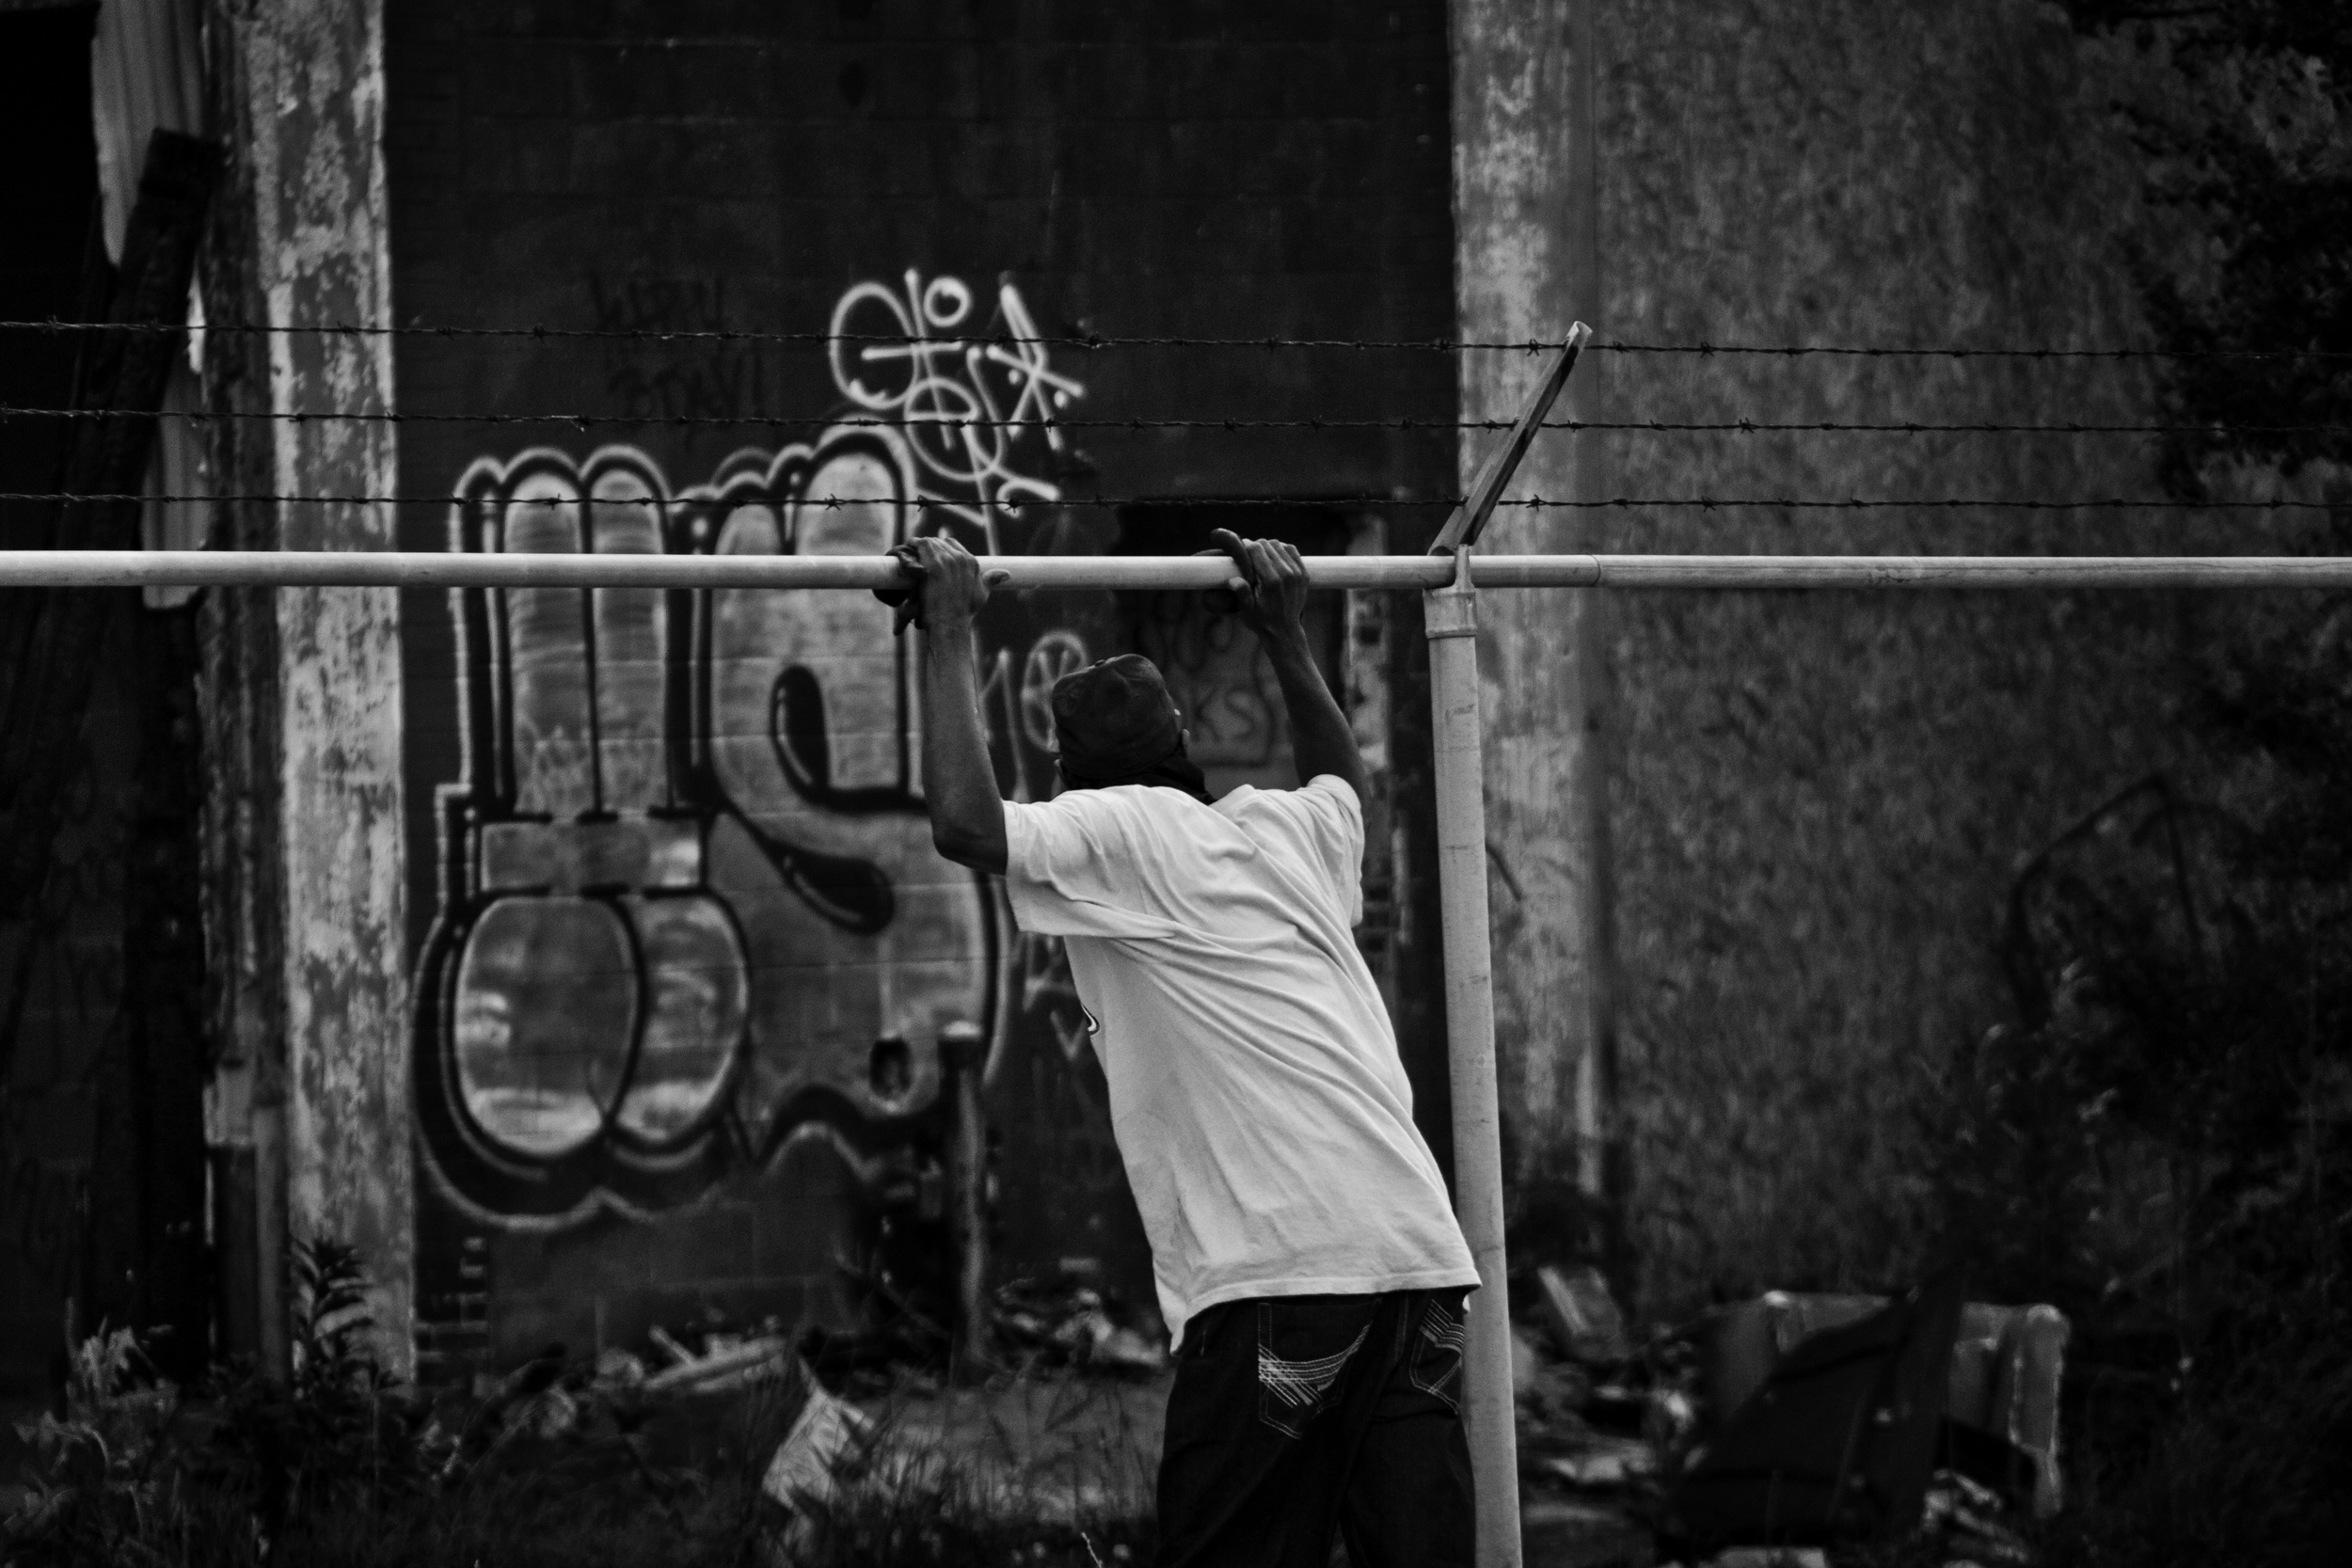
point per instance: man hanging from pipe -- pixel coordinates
(1306, 1257)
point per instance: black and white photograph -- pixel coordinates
(1219, 784)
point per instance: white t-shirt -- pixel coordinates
(1256, 1093)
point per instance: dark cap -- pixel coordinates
(1115, 718)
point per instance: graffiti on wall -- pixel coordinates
(689, 899)
(1218, 675)
(968, 404)
(43, 1201)
(721, 378)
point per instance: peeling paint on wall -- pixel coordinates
(1524, 270)
(312, 122)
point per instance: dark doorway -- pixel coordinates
(102, 1154)
(49, 194)
(48, 197)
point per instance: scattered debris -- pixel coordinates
(1606, 1424)
(1589, 1449)
(1578, 1531)
(1064, 1320)
(1674, 1415)
(1974, 1522)
(1839, 1443)
(1582, 1316)
(1054, 1322)
(806, 1471)
(1122, 1349)
(1525, 1364)
(1769, 1557)
(608, 1417)
(620, 1368)
(767, 1358)
(1610, 1430)
(1603, 1463)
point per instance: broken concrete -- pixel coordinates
(1583, 1316)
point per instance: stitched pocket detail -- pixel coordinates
(1436, 1368)
(1293, 1392)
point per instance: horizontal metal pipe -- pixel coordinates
(1956, 571)
(458, 569)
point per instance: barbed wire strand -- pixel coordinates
(1102, 340)
(1019, 503)
(1743, 426)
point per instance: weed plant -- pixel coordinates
(343, 1467)
(2163, 1146)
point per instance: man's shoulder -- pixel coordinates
(1118, 803)
(1325, 791)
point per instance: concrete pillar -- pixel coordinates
(1526, 265)
(301, 89)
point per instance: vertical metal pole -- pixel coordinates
(1451, 615)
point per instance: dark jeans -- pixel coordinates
(1294, 1416)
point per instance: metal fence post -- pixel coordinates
(1450, 617)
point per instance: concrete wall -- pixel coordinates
(305, 718)
(1816, 802)
(1526, 266)
(670, 884)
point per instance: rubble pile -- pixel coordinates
(1975, 1524)
(1614, 1436)
(613, 1413)
(1065, 1321)
(1597, 1417)
(748, 1399)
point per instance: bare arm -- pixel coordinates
(1322, 741)
(959, 780)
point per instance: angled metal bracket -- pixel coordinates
(1469, 518)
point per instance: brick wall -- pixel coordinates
(1234, 169)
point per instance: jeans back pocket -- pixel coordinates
(1304, 1346)
(1435, 1365)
